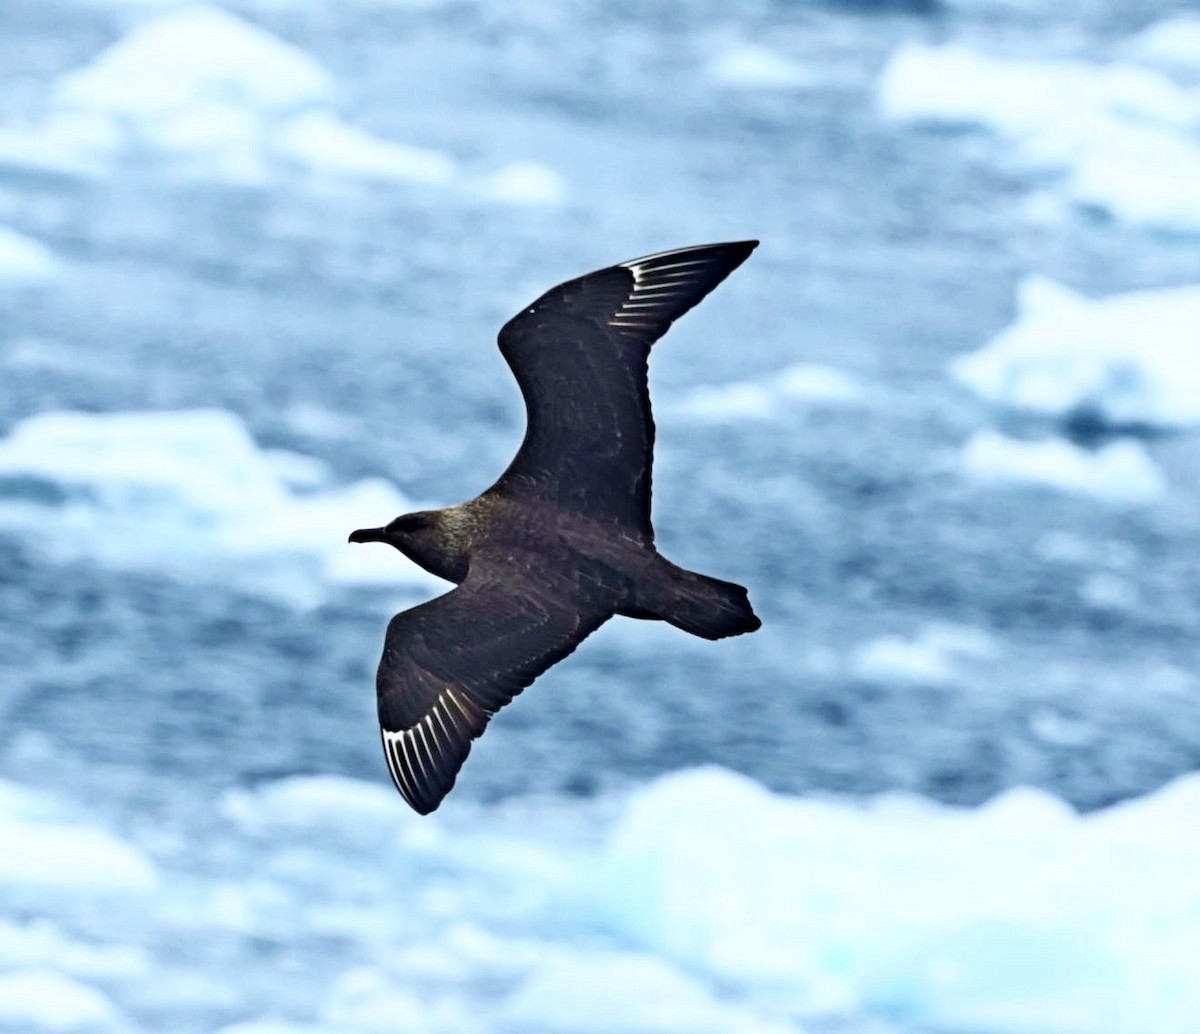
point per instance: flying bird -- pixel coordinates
(563, 540)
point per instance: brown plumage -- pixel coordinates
(563, 541)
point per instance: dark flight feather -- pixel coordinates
(579, 354)
(450, 664)
(563, 541)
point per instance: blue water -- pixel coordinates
(355, 324)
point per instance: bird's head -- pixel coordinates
(406, 533)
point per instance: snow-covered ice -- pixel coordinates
(196, 57)
(41, 999)
(191, 495)
(321, 141)
(232, 102)
(766, 397)
(929, 658)
(23, 260)
(47, 850)
(598, 993)
(754, 66)
(1172, 45)
(1017, 916)
(523, 183)
(1125, 138)
(1119, 472)
(699, 902)
(1129, 359)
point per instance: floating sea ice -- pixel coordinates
(1033, 100)
(364, 1000)
(762, 398)
(1015, 917)
(23, 260)
(1172, 44)
(1130, 359)
(229, 101)
(322, 142)
(634, 994)
(333, 809)
(195, 56)
(41, 999)
(524, 183)
(1143, 176)
(267, 1026)
(753, 66)
(1119, 472)
(45, 851)
(1126, 137)
(39, 943)
(190, 494)
(64, 143)
(926, 659)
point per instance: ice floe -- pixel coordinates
(928, 658)
(1172, 45)
(49, 851)
(23, 260)
(1124, 138)
(753, 66)
(1130, 359)
(190, 494)
(1017, 916)
(765, 398)
(41, 999)
(232, 102)
(39, 944)
(523, 183)
(320, 140)
(598, 993)
(700, 902)
(1119, 472)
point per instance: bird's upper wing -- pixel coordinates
(579, 354)
(450, 664)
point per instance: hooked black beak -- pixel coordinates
(369, 535)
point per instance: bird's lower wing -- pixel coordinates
(450, 664)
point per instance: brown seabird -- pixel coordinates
(563, 541)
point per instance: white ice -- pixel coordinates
(41, 999)
(523, 183)
(767, 397)
(1123, 138)
(1129, 359)
(931, 657)
(699, 902)
(23, 260)
(49, 851)
(321, 141)
(753, 66)
(234, 103)
(1019, 916)
(1172, 45)
(190, 494)
(598, 993)
(1117, 472)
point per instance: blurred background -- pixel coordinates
(253, 258)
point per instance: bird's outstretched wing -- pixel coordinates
(579, 354)
(450, 664)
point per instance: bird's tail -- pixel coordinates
(703, 606)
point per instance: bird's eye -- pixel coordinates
(410, 522)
